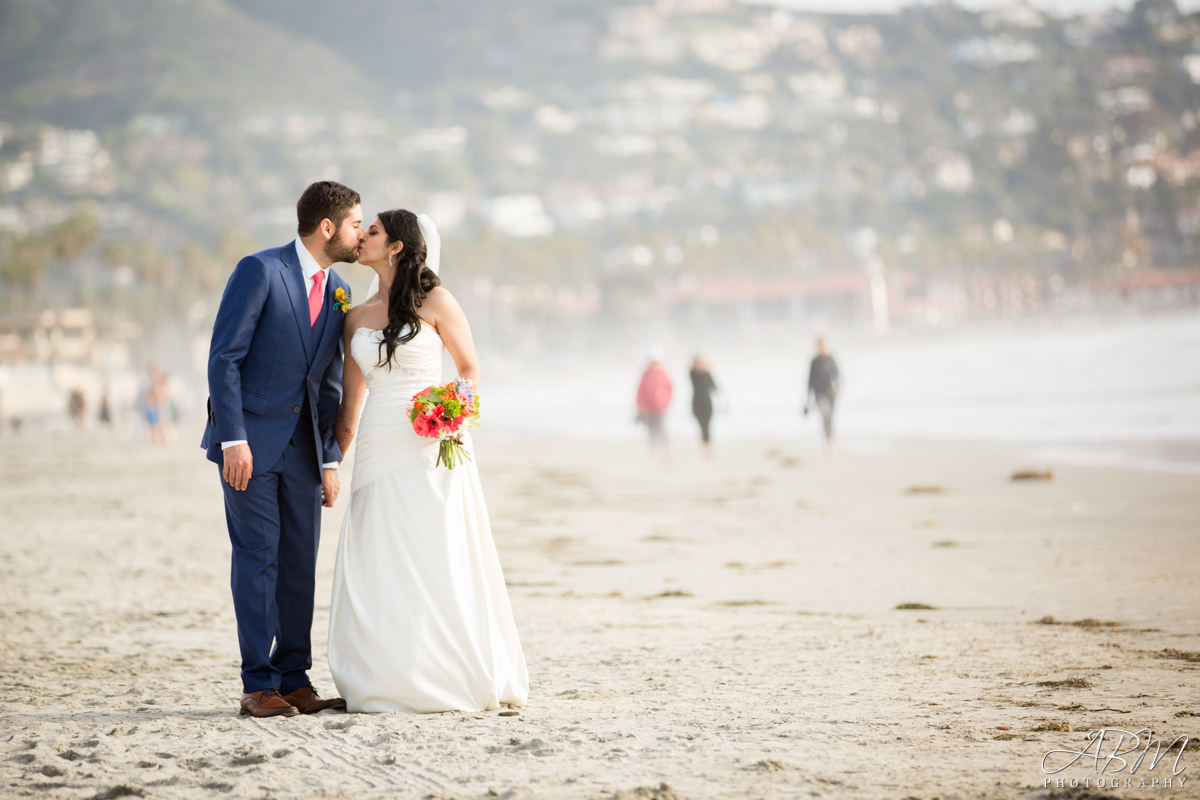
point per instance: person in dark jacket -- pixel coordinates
(703, 388)
(823, 385)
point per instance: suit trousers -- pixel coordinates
(274, 527)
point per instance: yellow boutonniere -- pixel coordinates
(343, 300)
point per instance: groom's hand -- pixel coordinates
(239, 466)
(331, 484)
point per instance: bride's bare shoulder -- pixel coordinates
(441, 305)
(440, 298)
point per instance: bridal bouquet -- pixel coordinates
(443, 412)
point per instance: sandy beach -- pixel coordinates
(694, 629)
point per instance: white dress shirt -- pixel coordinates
(310, 267)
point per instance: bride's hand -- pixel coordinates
(331, 485)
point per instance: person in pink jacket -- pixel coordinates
(653, 399)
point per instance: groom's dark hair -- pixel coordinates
(324, 200)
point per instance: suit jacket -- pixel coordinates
(266, 361)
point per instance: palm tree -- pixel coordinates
(23, 269)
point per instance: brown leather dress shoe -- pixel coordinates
(309, 702)
(267, 703)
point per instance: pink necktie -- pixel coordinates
(314, 298)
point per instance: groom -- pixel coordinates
(274, 382)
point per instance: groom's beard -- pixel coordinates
(342, 252)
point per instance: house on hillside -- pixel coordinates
(1015, 15)
(733, 49)
(1127, 68)
(994, 51)
(860, 42)
(1125, 100)
(73, 158)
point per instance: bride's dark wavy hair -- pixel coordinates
(410, 286)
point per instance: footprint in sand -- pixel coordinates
(247, 760)
(123, 790)
(1067, 683)
(741, 603)
(662, 792)
(668, 593)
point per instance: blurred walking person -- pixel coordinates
(823, 385)
(77, 408)
(105, 415)
(155, 399)
(653, 399)
(703, 389)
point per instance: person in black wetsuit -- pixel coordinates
(703, 388)
(823, 385)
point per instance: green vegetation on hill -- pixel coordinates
(658, 144)
(96, 63)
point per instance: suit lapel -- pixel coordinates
(293, 280)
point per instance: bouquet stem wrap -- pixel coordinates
(451, 453)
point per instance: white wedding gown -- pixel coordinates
(420, 619)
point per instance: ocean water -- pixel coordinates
(1123, 391)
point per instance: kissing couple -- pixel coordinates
(420, 619)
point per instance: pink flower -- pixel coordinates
(425, 426)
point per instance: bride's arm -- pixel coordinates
(451, 324)
(353, 389)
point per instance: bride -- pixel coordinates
(420, 619)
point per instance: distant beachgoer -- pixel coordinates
(105, 415)
(155, 399)
(823, 386)
(653, 399)
(703, 388)
(77, 406)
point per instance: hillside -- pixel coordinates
(96, 64)
(622, 147)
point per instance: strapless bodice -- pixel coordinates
(417, 360)
(385, 435)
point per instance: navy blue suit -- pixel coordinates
(275, 381)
